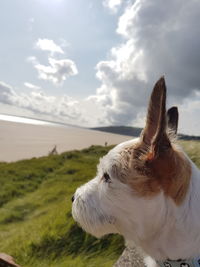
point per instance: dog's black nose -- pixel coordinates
(73, 197)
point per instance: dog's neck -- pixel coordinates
(168, 230)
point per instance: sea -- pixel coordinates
(27, 120)
(12, 118)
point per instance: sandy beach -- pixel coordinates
(23, 141)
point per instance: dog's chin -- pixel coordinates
(99, 230)
(97, 225)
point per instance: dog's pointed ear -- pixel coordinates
(172, 116)
(154, 135)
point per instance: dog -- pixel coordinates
(147, 190)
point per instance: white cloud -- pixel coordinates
(57, 71)
(32, 59)
(48, 45)
(31, 86)
(62, 108)
(113, 5)
(158, 39)
(7, 94)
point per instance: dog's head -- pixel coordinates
(136, 178)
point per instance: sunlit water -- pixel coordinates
(23, 120)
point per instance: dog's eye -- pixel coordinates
(106, 177)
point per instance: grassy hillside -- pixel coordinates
(36, 226)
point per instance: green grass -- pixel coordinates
(36, 226)
(192, 148)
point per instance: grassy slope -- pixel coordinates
(36, 226)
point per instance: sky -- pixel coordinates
(94, 63)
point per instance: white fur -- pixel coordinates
(163, 229)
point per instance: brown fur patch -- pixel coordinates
(170, 172)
